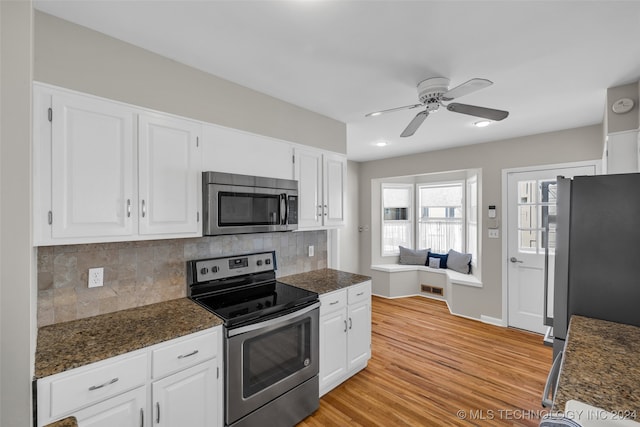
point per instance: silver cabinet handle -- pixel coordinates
(345, 326)
(95, 387)
(193, 353)
(514, 259)
(128, 208)
(319, 210)
(359, 294)
(157, 412)
(552, 381)
(141, 417)
(334, 303)
(144, 209)
(350, 323)
(325, 210)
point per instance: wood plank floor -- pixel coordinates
(428, 365)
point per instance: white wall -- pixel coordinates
(349, 236)
(17, 293)
(78, 58)
(556, 147)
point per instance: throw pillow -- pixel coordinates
(413, 256)
(459, 262)
(441, 257)
(434, 262)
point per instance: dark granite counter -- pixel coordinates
(324, 280)
(67, 422)
(601, 366)
(69, 345)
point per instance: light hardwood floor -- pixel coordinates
(427, 365)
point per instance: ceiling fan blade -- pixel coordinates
(415, 124)
(406, 107)
(472, 110)
(466, 88)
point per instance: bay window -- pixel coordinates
(440, 217)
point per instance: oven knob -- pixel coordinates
(259, 262)
(214, 269)
(204, 270)
(267, 303)
(260, 306)
(267, 261)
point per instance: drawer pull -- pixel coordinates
(334, 303)
(350, 323)
(157, 412)
(193, 353)
(95, 387)
(361, 293)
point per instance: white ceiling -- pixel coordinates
(551, 61)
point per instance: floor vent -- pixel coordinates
(432, 290)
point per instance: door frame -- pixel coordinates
(597, 163)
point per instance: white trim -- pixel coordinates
(453, 277)
(597, 163)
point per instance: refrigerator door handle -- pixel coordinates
(552, 381)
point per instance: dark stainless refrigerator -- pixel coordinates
(597, 260)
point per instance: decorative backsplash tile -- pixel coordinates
(145, 272)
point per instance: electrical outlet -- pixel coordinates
(311, 250)
(96, 277)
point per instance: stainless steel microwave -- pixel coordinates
(236, 204)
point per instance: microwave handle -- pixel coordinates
(284, 208)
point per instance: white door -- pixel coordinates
(308, 172)
(188, 398)
(333, 347)
(92, 168)
(359, 334)
(531, 199)
(335, 178)
(124, 410)
(169, 175)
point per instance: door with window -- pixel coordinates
(531, 210)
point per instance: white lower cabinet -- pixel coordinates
(173, 384)
(124, 410)
(345, 334)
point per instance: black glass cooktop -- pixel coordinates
(252, 303)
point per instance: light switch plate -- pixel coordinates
(311, 250)
(494, 233)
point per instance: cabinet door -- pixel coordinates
(308, 172)
(92, 170)
(188, 398)
(335, 178)
(359, 334)
(333, 349)
(169, 175)
(124, 410)
(233, 151)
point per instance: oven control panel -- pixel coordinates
(226, 267)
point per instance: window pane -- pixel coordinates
(528, 240)
(528, 217)
(396, 214)
(395, 234)
(450, 195)
(440, 236)
(440, 225)
(527, 191)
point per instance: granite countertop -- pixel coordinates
(324, 280)
(67, 422)
(601, 366)
(69, 345)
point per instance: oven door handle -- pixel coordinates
(271, 322)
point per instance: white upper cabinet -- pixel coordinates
(233, 151)
(321, 188)
(92, 167)
(169, 175)
(105, 171)
(622, 153)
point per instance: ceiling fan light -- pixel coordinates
(482, 123)
(377, 113)
(381, 144)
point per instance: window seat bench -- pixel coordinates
(398, 280)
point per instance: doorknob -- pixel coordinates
(514, 259)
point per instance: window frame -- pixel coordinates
(463, 207)
(410, 220)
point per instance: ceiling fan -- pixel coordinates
(433, 91)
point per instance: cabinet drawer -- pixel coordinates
(333, 301)
(90, 386)
(360, 292)
(184, 353)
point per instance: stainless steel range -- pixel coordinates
(271, 338)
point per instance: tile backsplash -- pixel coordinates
(145, 272)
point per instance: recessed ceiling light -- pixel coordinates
(381, 144)
(482, 123)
